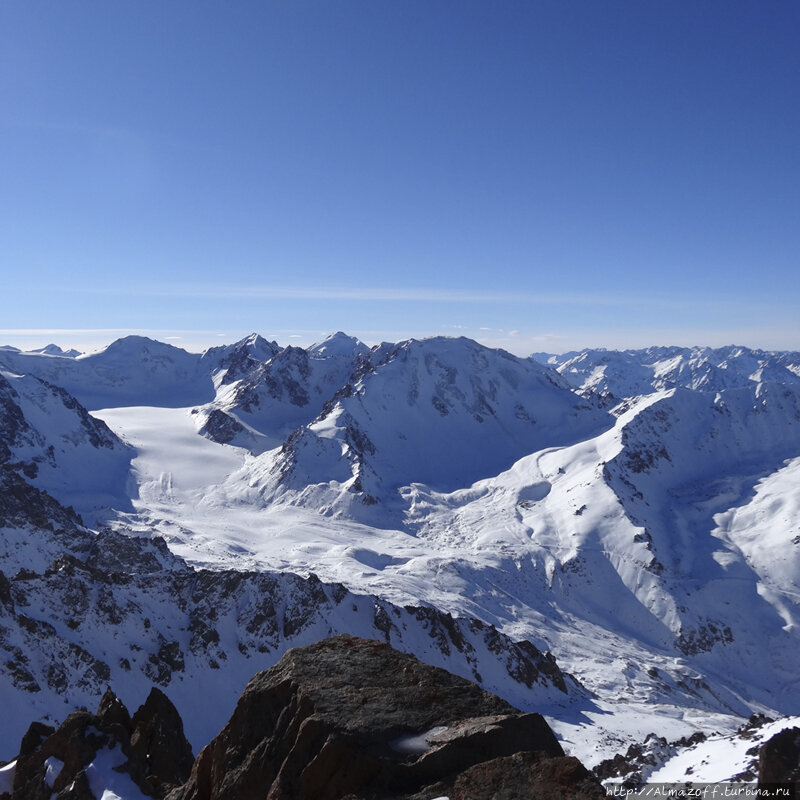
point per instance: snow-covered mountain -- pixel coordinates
(55, 443)
(47, 350)
(55, 350)
(440, 412)
(633, 372)
(263, 396)
(130, 371)
(647, 530)
(237, 359)
(635, 513)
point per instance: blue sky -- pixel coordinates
(536, 175)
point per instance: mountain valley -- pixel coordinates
(610, 539)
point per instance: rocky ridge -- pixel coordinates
(762, 751)
(80, 610)
(263, 396)
(49, 441)
(89, 755)
(345, 717)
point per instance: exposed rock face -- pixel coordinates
(240, 359)
(353, 718)
(21, 503)
(525, 775)
(52, 448)
(276, 395)
(113, 712)
(150, 748)
(158, 746)
(221, 427)
(779, 758)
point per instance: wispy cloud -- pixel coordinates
(60, 331)
(388, 294)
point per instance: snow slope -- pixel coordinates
(80, 611)
(720, 758)
(548, 552)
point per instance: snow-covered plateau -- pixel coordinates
(183, 519)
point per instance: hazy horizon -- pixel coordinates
(198, 341)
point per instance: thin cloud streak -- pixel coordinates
(61, 331)
(393, 294)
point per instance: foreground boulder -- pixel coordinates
(353, 718)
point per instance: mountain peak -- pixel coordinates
(247, 350)
(55, 350)
(135, 345)
(258, 346)
(337, 344)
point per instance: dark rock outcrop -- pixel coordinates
(23, 504)
(150, 748)
(526, 775)
(158, 746)
(353, 718)
(112, 711)
(779, 758)
(654, 750)
(345, 718)
(221, 427)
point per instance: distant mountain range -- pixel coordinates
(634, 513)
(625, 373)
